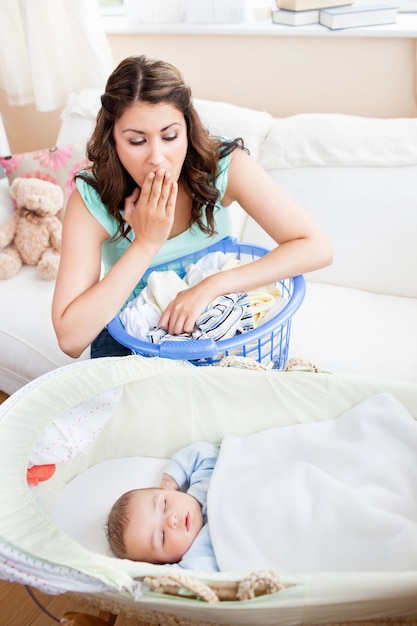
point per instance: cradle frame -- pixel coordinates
(356, 597)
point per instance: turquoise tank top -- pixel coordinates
(187, 242)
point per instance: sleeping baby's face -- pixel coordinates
(162, 525)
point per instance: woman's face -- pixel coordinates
(151, 137)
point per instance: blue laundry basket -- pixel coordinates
(267, 344)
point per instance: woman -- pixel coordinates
(159, 187)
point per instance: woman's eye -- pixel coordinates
(135, 142)
(163, 537)
(170, 137)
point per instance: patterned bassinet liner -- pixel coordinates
(88, 412)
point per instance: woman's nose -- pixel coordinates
(156, 155)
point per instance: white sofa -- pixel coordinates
(356, 176)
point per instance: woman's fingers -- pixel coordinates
(182, 313)
(172, 199)
(160, 188)
(153, 206)
(156, 190)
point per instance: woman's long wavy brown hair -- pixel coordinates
(140, 79)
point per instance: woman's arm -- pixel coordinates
(83, 304)
(302, 246)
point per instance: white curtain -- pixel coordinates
(49, 48)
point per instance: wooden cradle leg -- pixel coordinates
(109, 618)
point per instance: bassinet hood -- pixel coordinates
(159, 406)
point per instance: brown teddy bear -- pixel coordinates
(32, 235)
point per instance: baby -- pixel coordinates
(338, 495)
(164, 525)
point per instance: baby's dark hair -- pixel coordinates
(117, 522)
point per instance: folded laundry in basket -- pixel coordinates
(225, 316)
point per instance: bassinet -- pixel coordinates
(150, 408)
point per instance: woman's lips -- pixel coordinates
(187, 521)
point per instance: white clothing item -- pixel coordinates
(144, 312)
(206, 266)
(163, 287)
(337, 495)
(139, 316)
(262, 301)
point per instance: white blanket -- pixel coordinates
(335, 495)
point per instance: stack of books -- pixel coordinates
(302, 12)
(296, 18)
(358, 15)
(333, 14)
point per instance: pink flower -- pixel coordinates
(10, 163)
(54, 158)
(39, 174)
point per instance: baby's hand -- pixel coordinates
(168, 482)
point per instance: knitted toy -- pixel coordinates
(32, 235)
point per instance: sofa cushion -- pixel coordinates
(228, 120)
(370, 217)
(28, 345)
(357, 177)
(78, 116)
(337, 140)
(350, 330)
(56, 165)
